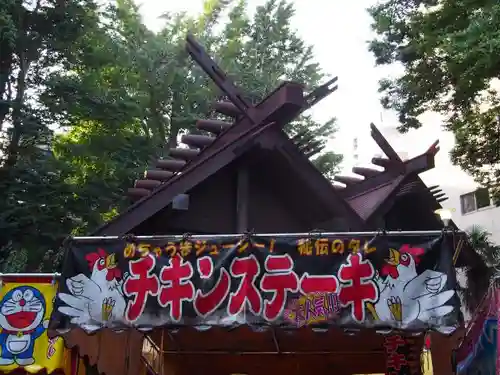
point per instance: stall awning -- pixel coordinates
(399, 281)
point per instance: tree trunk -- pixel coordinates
(5, 71)
(12, 151)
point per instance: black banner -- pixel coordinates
(382, 281)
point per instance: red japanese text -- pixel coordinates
(279, 280)
(358, 288)
(207, 303)
(139, 285)
(395, 360)
(310, 284)
(177, 286)
(247, 269)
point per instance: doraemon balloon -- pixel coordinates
(22, 312)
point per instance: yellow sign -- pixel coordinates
(25, 310)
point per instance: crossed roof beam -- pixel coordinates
(368, 179)
(235, 94)
(205, 155)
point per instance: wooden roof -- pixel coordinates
(372, 189)
(205, 155)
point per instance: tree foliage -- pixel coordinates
(36, 37)
(450, 51)
(89, 96)
(479, 276)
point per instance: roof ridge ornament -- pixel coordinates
(209, 66)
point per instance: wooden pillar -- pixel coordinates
(242, 199)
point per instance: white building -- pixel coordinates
(470, 204)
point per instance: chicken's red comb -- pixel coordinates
(416, 252)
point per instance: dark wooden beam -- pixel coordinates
(242, 200)
(419, 164)
(184, 153)
(434, 148)
(366, 172)
(170, 164)
(396, 172)
(147, 184)
(410, 187)
(440, 195)
(321, 92)
(234, 94)
(282, 106)
(198, 54)
(383, 162)
(383, 144)
(157, 174)
(433, 187)
(227, 109)
(197, 140)
(213, 126)
(138, 193)
(416, 165)
(348, 180)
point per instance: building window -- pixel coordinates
(475, 200)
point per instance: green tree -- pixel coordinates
(36, 37)
(479, 276)
(138, 90)
(450, 52)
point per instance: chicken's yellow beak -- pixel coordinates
(111, 261)
(393, 257)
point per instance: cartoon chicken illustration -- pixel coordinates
(93, 301)
(22, 312)
(406, 296)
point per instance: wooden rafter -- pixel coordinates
(416, 165)
(321, 92)
(384, 144)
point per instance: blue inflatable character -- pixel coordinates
(22, 311)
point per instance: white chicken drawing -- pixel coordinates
(94, 302)
(406, 296)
